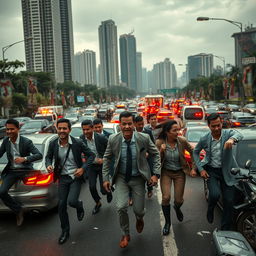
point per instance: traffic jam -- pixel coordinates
(38, 191)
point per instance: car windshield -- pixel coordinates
(246, 149)
(49, 118)
(73, 115)
(195, 135)
(89, 112)
(76, 132)
(31, 125)
(40, 147)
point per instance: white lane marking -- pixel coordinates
(169, 244)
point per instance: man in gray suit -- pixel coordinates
(216, 167)
(131, 171)
(21, 153)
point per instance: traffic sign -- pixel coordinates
(171, 90)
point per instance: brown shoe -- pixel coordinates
(139, 225)
(124, 241)
(20, 217)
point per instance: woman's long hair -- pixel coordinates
(166, 128)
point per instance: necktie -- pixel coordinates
(128, 173)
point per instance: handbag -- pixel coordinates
(58, 168)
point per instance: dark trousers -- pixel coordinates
(7, 181)
(93, 173)
(217, 185)
(69, 190)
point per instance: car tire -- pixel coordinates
(206, 191)
(246, 226)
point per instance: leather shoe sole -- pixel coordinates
(124, 241)
(139, 225)
(63, 238)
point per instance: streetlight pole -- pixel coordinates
(236, 23)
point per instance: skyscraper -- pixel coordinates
(200, 65)
(108, 54)
(85, 68)
(49, 22)
(139, 71)
(127, 45)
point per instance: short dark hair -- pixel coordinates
(14, 122)
(87, 122)
(64, 120)
(166, 128)
(151, 115)
(138, 119)
(126, 114)
(212, 116)
(97, 121)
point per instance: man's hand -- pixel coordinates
(229, 143)
(79, 172)
(107, 186)
(193, 173)
(153, 180)
(163, 148)
(204, 174)
(19, 160)
(49, 168)
(99, 160)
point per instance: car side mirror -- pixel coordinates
(248, 164)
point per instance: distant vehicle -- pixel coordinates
(51, 117)
(23, 120)
(164, 114)
(232, 108)
(90, 112)
(82, 118)
(115, 119)
(221, 106)
(244, 118)
(192, 114)
(119, 111)
(250, 108)
(35, 126)
(58, 110)
(152, 104)
(73, 117)
(37, 191)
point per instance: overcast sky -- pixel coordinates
(163, 28)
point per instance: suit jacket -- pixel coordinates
(149, 132)
(26, 148)
(77, 148)
(101, 143)
(107, 134)
(228, 161)
(182, 145)
(143, 145)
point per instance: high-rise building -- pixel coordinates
(49, 22)
(200, 65)
(108, 54)
(164, 75)
(85, 68)
(144, 80)
(127, 44)
(139, 71)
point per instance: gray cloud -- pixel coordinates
(163, 28)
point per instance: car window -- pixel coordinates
(246, 149)
(195, 135)
(76, 132)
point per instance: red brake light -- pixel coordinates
(39, 179)
(237, 123)
(198, 114)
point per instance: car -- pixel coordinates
(35, 126)
(76, 129)
(51, 117)
(192, 114)
(119, 111)
(192, 124)
(91, 112)
(73, 117)
(210, 110)
(37, 191)
(23, 120)
(2, 128)
(250, 108)
(82, 118)
(115, 119)
(164, 114)
(244, 119)
(221, 106)
(232, 108)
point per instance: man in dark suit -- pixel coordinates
(98, 127)
(131, 171)
(98, 144)
(21, 153)
(66, 152)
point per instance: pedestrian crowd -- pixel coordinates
(126, 164)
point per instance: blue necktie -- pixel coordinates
(128, 173)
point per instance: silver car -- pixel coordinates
(37, 191)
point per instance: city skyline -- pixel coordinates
(163, 29)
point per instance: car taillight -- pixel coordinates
(237, 124)
(39, 179)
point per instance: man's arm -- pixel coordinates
(154, 153)
(88, 154)
(107, 162)
(196, 155)
(49, 157)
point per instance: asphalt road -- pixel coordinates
(99, 234)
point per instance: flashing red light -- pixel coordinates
(39, 179)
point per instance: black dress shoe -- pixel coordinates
(109, 197)
(166, 229)
(20, 217)
(179, 213)
(63, 237)
(96, 209)
(80, 214)
(210, 215)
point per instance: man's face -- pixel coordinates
(216, 127)
(139, 126)
(98, 128)
(153, 121)
(63, 130)
(12, 131)
(87, 131)
(127, 126)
